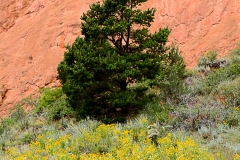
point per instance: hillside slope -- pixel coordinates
(33, 34)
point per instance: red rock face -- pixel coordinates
(33, 34)
(201, 25)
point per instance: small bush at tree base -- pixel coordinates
(48, 97)
(54, 101)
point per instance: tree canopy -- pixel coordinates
(103, 71)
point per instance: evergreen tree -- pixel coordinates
(102, 71)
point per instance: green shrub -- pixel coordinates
(230, 91)
(24, 123)
(27, 138)
(170, 80)
(59, 109)
(49, 96)
(157, 111)
(16, 115)
(207, 59)
(54, 101)
(235, 52)
(5, 124)
(209, 84)
(229, 72)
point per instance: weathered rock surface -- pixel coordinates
(33, 34)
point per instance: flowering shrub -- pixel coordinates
(236, 157)
(113, 141)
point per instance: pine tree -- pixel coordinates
(102, 72)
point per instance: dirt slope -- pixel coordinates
(33, 34)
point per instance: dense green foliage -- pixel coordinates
(109, 71)
(171, 78)
(54, 101)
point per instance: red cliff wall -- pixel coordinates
(33, 34)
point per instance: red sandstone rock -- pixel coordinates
(33, 34)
